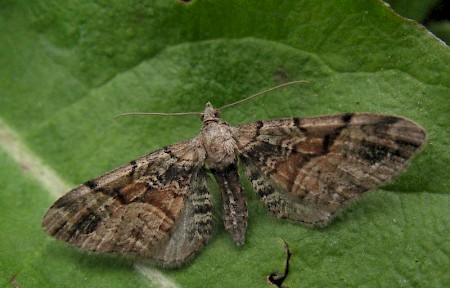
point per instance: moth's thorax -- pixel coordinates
(218, 143)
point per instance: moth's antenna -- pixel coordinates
(158, 114)
(264, 92)
(223, 107)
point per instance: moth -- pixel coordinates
(304, 169)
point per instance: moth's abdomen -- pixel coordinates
(235, 214)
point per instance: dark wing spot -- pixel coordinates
(259, 124)
(88, 224)
(298, 124)
(346, 118)
(326, 144)
(389, 120)
(91, 184)
(133, 168)
(265, 150)
(375, 153)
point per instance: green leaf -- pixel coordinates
(441, 29)
(413, 9)
(68, 67)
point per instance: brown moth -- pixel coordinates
(304, 169)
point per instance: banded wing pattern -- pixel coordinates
(306, 169)
(157, 206)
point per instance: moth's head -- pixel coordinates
(210, 113)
